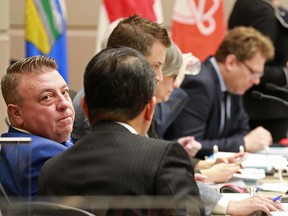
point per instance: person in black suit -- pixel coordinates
(270, 18)
(237, 65)
(173, 73)
(171, 100)
(132, 32)
(115, 158)
(149, 38)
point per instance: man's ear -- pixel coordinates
(230, 62)
(84, 106)
(150, 107)
(15, 115)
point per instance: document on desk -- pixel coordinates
(276, 151)
(261, 161)
(276, 187)
(281, 213)
(258, 161)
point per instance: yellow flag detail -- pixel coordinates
(35, 32)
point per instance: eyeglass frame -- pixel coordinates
(252, 72)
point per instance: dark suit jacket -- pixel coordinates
(112, 161)
(166, 112)
(261, 16)
(20, 164)
(201, 115)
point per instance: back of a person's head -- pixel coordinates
(118, 83)
(138, 33)
(244, 43)
(30, 65)
(173, 61)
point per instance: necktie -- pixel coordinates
(68, 143)
(225, 106)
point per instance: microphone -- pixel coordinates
(260, 95)
(273, 87)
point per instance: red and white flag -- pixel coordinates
(112, 10)
(198, 26)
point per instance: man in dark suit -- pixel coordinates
(115, 158)
(270, 18)
(217, 120)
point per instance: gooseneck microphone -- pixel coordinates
(273, 87)
(260, 95)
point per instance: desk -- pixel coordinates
(267, 180)
(271, 179)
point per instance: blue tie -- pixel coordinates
(68, 143)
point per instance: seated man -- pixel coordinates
(38, 106)
(157, 41)
(130, 32)
(115, 158)
(171, 100)
(209, 116)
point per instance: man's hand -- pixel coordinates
(253, 204)
(257, 139)
(200, 177)
(190, 145)
(221, 172)
(235, 158)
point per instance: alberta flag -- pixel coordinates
(45, 31)
(112, 10)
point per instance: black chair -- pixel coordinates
(36, 208)
(41, 208)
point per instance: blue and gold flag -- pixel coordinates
(45, 31)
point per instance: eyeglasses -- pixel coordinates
(253, 73)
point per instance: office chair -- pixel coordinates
(36, 208)
(41, 208)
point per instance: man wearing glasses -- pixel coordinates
(215, 114)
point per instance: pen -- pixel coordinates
(276, 198)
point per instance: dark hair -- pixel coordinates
(138, 33)
(118, 83)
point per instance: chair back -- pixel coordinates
(41, 208)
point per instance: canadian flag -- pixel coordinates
(198, 26)
(111, 11)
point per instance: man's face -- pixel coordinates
(246, 74)
(46, 109)
(156, 59)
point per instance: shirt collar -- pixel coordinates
(219, 75)
(67, 143)
(22, 130)
(128, 127)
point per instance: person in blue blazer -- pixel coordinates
(38, 106)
